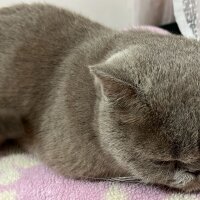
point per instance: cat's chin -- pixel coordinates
(191, 187)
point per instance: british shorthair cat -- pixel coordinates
(92, 102)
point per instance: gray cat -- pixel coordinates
(92, 102)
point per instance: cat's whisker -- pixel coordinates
(114, 179)
(126, 179)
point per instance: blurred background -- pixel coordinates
(115, 13)
(121, 14)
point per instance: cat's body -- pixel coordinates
(139, 102)
(46, 57)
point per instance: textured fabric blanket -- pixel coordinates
(24, 178)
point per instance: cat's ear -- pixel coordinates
(112, 87)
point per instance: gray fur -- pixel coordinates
(99, 103)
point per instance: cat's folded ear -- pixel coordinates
(110, 86)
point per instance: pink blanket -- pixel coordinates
(25, 178)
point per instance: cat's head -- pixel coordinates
(149, 110)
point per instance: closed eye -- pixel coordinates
(161, 162)
(174, 163)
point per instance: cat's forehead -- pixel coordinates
(170, 146)
(174, 136)
(171, 132)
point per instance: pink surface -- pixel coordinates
(24, 178)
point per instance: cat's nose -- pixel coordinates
(196, 173)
